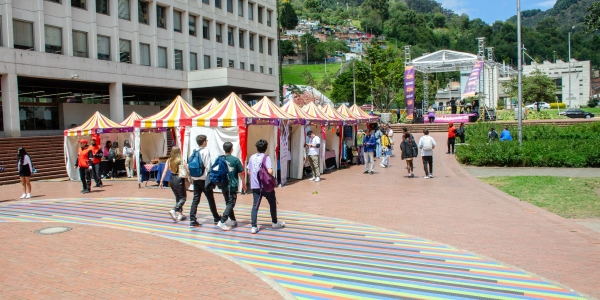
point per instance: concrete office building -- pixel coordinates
(578, 80)
(61, 60)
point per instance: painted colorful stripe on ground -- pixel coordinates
(313, 257)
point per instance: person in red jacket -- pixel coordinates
(97, 153)
(84, 162)
(451, 137)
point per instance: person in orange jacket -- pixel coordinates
(84, 162)
(97, 153)
(451, 137)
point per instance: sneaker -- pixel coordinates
(426, 177)
(216, 221)
(25, 195)
(195, 224)
(313, 178)
(173, 215)
(231, 223)
(278, 225)
(318, 179)
(366, 172)
(181, 218)
(223, 226)
(85, 191)
(254, 230)
(382, 165)
(430, 175)
(371, 172)
(28, 196)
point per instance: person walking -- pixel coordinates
(178, 167)
(128, 152)
(236, 170)
(369, 148)
(97, 153)
(427, 144)
(390, 134)
(108, 164)
(385, 149)
(460, 132)
(378, 135)
(451, 137)
(409, 151)
(314, 144)
(259, 188)
(84, 162)
(25, 169)
(200, 183)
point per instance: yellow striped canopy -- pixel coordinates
(171, 116)
(335, 115)
(130, 121)
(266, 107)
(98, 123)
(293, 109)
(232, 111)
(212, 104)
(357, 111)
(345, 111)
(314, 111)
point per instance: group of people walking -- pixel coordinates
(206, 171)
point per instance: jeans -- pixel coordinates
(107, 168)
(230, 199)
(451, 142)
(272, 205)
(178, 187)
(313, 161)
(368, 158)
(96, 173)
(360, 155)
(128, 166)
(431, 119)
(378, 149)
(462, 138)
(113, 172)
(199, 188)
(85, 174)
(428, 160)
(385, 160)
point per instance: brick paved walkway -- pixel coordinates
(557, 172)
(454, 208)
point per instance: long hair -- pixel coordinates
(21, 154)
(175, 159)
(126, 144)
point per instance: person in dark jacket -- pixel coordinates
(460, 132)
(370, 142)
(409, 151)
(84, 162)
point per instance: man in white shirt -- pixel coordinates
(427, 144)
(313, 144)
(202, 185)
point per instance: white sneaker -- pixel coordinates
(426, 177)
(28, 196)
(430, 175)
(231, 223)
(278, 225)
(382, 165)
(254, 230)
(173, 215)
(23, 196)
(223, 226)
(317, 179)
(313, 178)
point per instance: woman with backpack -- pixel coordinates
(409, 151)
(179, 173)
(25, 169)
(427, 144)
(128, 152)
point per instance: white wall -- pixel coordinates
(78, 113)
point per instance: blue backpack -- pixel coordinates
(195, 164)
(219, 173)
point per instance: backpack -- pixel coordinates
(219, 173)
(112, 154)
(427, 144)
(195, 164)
(267, 181)
(494, 135)
(129, 152)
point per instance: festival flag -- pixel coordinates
(409, 89)
(473, 82)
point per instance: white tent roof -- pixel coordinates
(444, 61)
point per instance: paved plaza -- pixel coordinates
(349, 236)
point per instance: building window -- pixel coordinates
(162, 57)
(124, 10)
(125, 51)
(193, 61)
(206, 61)
(53, 37)
(80, 44)
(218, 3)
(231, 63)
(219, 33)
(205, 2)
(230, 36)
(250, 11)
(241, 8)
(252, 67)
(205, 30)
(178, 59)
(261, 69)
(23, 35)
(161, 17)
(260, 44)
(78, 3)
(102, 7)
(269, 17)
(103, 47)
(145, 54)
(269, 43)
(219, 62)
(242, 65)
(260, 13)
(55, 1)
(251, 41)
(230, 6)
(143, 12)
(270, 71)
(177, 21)
(241, 39)
(192, 25)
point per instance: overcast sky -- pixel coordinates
(493, 10)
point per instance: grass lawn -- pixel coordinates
(576, 198)
(292, 73)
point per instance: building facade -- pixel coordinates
(578, 81)
(58, 54)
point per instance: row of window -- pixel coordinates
(103, 7)
(241, 37)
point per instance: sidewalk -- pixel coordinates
(557, 172)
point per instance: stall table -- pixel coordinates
(157, 169)
(330, 159)
(119, 167)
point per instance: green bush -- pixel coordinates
(543, 146)
(592, 103)
(560, 105)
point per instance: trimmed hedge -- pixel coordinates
(575, 146)
(560, 105)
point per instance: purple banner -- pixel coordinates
(409, 90)
(462, 118)
(473, 83)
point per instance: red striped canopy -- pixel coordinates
(345, 111)
(335, 115)
(130, 121)
(212, 104)
(266, 107)
(98, 123)
(293, 109)
(171, 116)
(314, 111)
(232, 111)
(357, 111)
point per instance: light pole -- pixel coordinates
(354, 80)
(307, 50)
(520, 76)
(570, 95)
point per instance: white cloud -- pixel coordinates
(543, 5)
(458, 6)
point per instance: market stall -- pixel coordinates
(358, 112)
(360, 124)
(97, 127)
(326, 152)
(153, 140)
(335, 141)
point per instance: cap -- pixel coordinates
(83, 141)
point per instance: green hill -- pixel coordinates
(292, 74)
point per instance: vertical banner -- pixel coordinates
(409, 90)
(323, 139)
(473, 82)
(243, 135)
(284, 150)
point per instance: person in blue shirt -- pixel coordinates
(370, 142)
(505, 135)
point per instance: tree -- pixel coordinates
(537, 87)
(289, 19)
(592, 20)
(287, 48)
